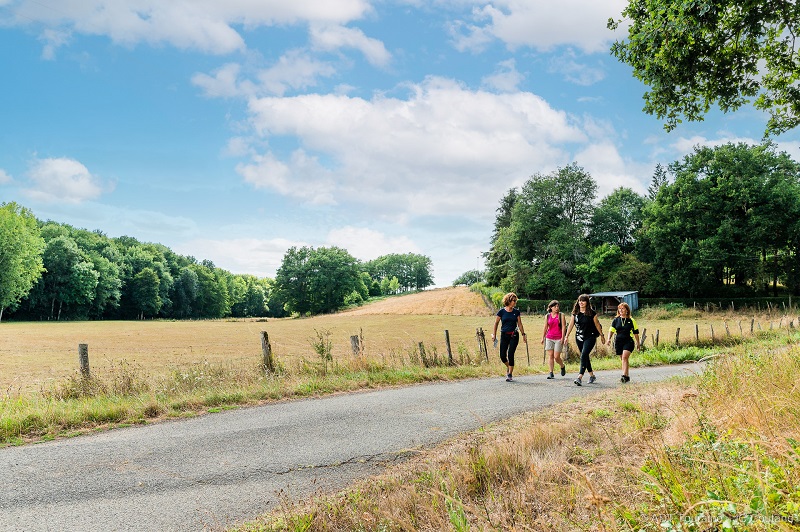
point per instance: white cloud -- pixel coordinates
(261, 257)
(4, 177)
(296, 178)
(443, 150)
(53, 39)
(205, 25)
(223, 84)
(330, 38)
(368, 244)
(603, 161)
(63, 180)
(684, 146)
(792, 148)
(574, 71)
(542, 24)
(293, 71)
(506, 78)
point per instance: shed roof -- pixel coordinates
(614, 294)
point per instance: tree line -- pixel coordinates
(53, 271)
(722, 221)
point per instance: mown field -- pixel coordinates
(35, 355)
(142, 372)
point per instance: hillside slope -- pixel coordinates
(451, 301)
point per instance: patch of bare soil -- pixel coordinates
(451, 301)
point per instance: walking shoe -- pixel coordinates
(592, 379)
(551, 376)
(563, 370)
(577, 382)
(627, 378)
(622, 379)
(508, 377)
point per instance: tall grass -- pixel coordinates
(127, 394)
(719, 451)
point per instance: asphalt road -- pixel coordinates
(217, 470)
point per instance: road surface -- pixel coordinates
(221, 469)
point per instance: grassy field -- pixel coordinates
(146, 371)
(36, 355)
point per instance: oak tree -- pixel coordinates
(695, 53)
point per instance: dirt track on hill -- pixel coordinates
(451, 301)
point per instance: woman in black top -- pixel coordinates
(512, 327)
(587, 330)
(625, 327)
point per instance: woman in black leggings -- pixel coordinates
(510, 331)
(587, 330)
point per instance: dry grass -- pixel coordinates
(454, 301)
(33, 355)
(718, 452)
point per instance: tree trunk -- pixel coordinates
(1, 313)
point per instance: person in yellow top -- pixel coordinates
(626, 329)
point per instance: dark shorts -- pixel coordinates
(625, 345)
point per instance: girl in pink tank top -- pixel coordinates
(553, 336)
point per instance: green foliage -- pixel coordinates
(469, 278)
(696, 53)
(729, 222)
(617, 220)
(354, 298)
(317, 280)
(412, 271)
(323, 347)
(597, 271)
(540, 233)
(21, 247)
(744, 485)
(144, 291)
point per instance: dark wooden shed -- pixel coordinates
(608, 301)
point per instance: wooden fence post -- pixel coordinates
(727, 331)
(740, 329)
(268, 362)
(655, 340)
(752, 323)
(355, 345)
(678, 336)
(83, 358)
(644, 337)
(447, 342)
(696, 332)
(712, 333)
(482, 349)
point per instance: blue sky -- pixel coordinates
(233, 130)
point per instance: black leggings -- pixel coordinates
(508, 345)
(586, 347)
